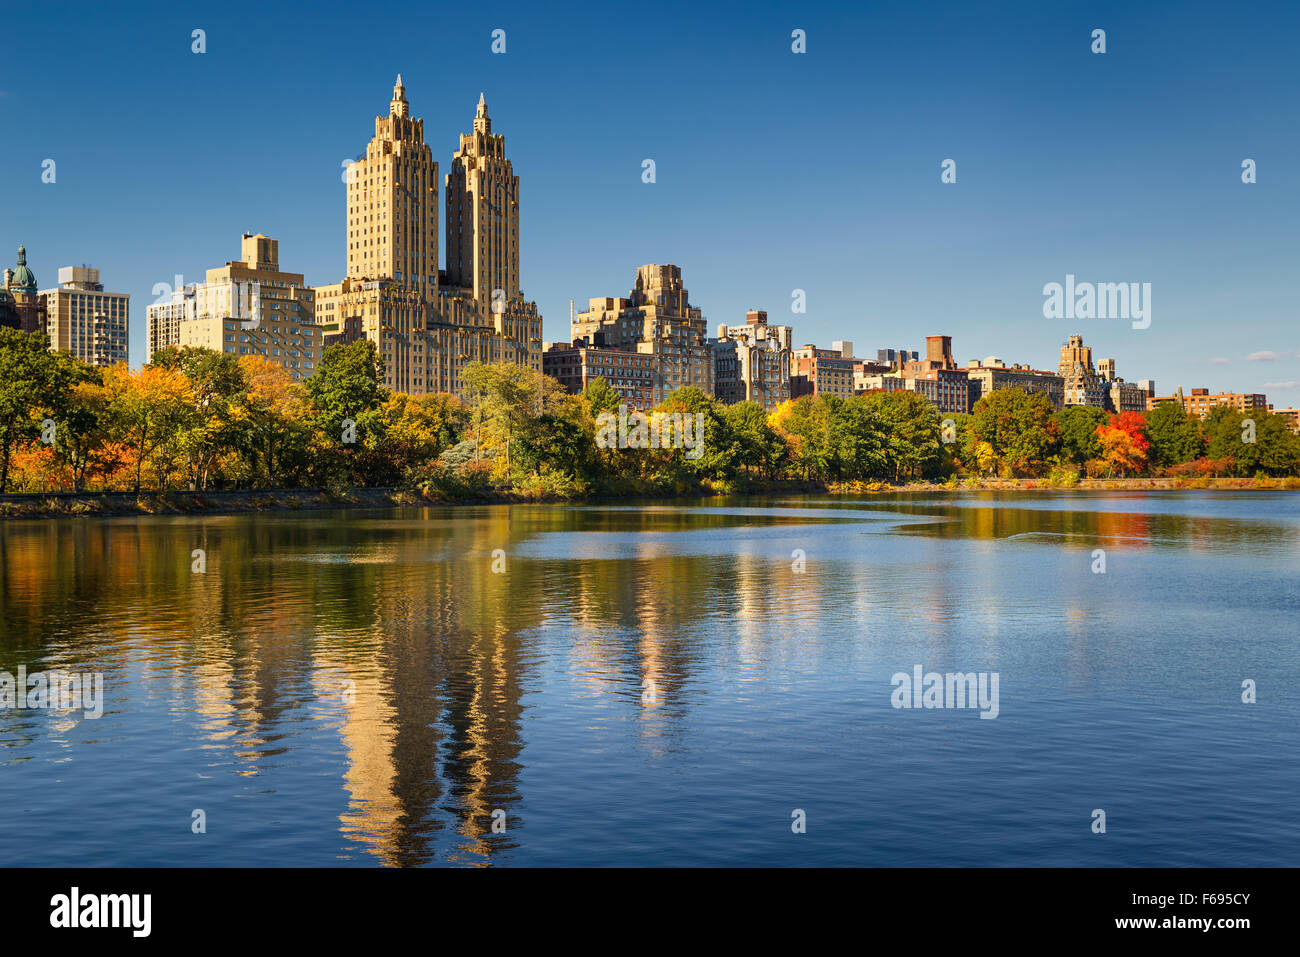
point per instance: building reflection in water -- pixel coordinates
(391, 632)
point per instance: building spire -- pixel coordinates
(482, 122)
(398, 106)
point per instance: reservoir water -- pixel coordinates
(665, 683)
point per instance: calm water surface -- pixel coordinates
(359, 688)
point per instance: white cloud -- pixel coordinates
(1220, 361)
(1293, 384)
(1262, 356)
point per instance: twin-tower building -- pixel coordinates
(428, 323)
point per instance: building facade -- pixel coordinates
(1200, 401)
(823, 371)
(992, 373)
(84, 320)
(937, 376)
(1292, 417)
(656, 320)
(577, 364)
(896, 358)
(751, 363)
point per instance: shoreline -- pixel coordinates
(19, 506)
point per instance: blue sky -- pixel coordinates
(775, 171)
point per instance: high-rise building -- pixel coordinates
(657, 320)
(817, 371)
(483, 215)
(1082, 384)
(937, 376)
(163, 320)
(247, 307)
(895, 358)
(392, 197)
(752, 362)
(84, 320)
(1120, 396)
(393, 295)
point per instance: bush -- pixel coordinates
(549, 486)
(444, 484)
(1063, 477)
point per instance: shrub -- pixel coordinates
(549, 486)
(1063, 477)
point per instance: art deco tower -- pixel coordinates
(483, 214)
(427, 330)
(393, 203)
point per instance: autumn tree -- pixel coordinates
(147, 408)
(1124, 443)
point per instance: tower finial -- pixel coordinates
(398, 105)
(482, 122)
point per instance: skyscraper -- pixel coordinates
(393, 203)
(483, 214)
(85, 320)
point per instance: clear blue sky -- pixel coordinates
(775, 171)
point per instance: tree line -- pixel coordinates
(195, 418)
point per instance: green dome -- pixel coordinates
(23, 278)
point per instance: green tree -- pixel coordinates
(346, 387)
(29, 375)
(508, 402)
(758, 447)
(1020, 427)
(1078, 426)
(913, 433)
(1257, 441)
(857, 438)
(1175, 436)
(601, 396)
